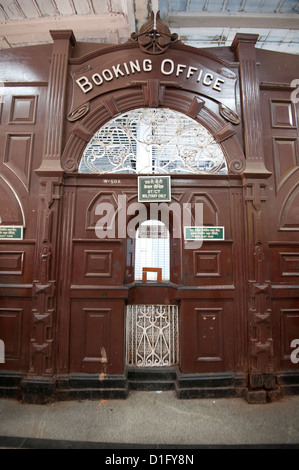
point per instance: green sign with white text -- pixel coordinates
(11, 232)
(154, 189)
(204, 233)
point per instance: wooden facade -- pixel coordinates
(64, 292)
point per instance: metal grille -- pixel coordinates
(152, 335)
(153, 141)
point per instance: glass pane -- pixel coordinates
(152, 250)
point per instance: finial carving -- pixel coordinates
(154, 39)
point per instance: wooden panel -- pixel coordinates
(23, 110)
(209, 334)
(18, 155)
(12, 262)
(289, 264)
(16, 263)
(92, 216)
(11, 212)
(206, 263)
(289, 331)
(282, 114)
(15, 332)
(97, 336)
(10, 331)
(95, 263)
(96, 331)
(210, 265)
(285, 263)
(286, 319)
(285, 158)
(98, 263)
(289, 219)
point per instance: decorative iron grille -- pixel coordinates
(152, 335)
(153, 141)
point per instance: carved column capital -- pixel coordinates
(56, 100)
(244, 48)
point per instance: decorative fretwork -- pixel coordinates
(152, 335)
(153, 141)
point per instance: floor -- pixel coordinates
(153, 420)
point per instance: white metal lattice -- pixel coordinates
(153, 141)
(152, 335)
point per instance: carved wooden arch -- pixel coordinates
(152, 94)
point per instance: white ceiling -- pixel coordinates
(201, 23)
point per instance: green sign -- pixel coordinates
(154, 189)
(204, 233)
(11, 232)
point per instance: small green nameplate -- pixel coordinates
(154, 189)
(204, 233)
(11, 232)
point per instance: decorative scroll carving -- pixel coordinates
(154, 40)
(229, 115)
(78, 113)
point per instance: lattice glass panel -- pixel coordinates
(152, 335)
(153, 141)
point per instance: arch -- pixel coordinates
(122, 101)
(289, 217)
(151, 141)
(11, 211)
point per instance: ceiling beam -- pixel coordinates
(232, 20)
(93, 26)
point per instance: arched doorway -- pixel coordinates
(153, 141)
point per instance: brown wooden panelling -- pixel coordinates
(285, 263)
(286, 317)
(23, 110)
(12, 262)
(209, 326)
(206, 263)
(11, 331)
(238, 298)
(286, 158)
(96, 336)
(212, 264)
(283, 114)
(14, 331)
(289, 215)
(282, 156)
(16, 263)
(207, 332)
(18, 155)
(95, 263)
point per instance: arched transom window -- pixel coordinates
(153, 141)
